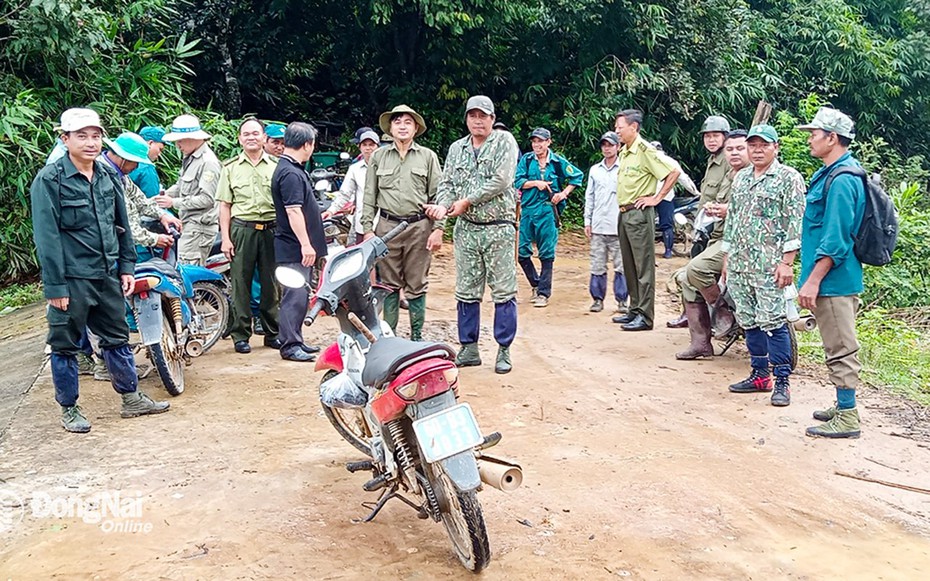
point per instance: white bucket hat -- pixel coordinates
(77, 119)
(185, 127)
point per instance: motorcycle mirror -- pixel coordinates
(344, 156)
(680, 219)
(289, 277)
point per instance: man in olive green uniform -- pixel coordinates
(402, 179)
(247, 222)
(194, 194)
(761, 239)
(477, 187)
(85, 248)
(641, 170)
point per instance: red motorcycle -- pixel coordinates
(397, 402)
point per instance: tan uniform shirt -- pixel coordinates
(194, 194)
(248, 187)
(400, 186)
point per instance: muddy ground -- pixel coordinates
(636, 466)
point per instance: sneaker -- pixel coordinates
(100, 371)
(597, 306)
(623, 308)
(781, 396)
(73, 419)
(468, 356)
(534, 293)
(503, 364)
(137, 404)
(825, 415)
(845, 424)
(541, 301)
(86, 364)
(758, 381)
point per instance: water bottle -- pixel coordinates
(791, 307)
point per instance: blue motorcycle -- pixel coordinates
(180, 310)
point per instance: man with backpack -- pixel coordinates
(831, 272)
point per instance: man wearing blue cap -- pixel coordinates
(545, 179)
(761, 238)
(146, 176)
(274, 139)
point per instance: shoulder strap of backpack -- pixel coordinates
(845, 170)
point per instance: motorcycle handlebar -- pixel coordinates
(395, 232)
(311, 316)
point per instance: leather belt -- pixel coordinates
(267, 225)
(491, 223)
(627, 207)
(409, 219)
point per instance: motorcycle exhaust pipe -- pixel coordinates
(194, 348)
(503, 475)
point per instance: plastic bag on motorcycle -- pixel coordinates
(341, 392)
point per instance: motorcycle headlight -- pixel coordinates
(347, 267)
(322, 186)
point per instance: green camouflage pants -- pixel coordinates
(484, 254)
(759, 302)
(701, 272)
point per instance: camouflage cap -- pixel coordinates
(833, 121)
(765, 132)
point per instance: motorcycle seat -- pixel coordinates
(388, 355)
(157, 265)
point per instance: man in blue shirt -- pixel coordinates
(146, 176)
(831, 275)
(545, 179)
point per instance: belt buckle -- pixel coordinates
(259, 226)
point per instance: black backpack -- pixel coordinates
(878, 234)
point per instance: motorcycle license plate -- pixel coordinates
(448, 432)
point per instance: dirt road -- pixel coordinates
(636, 466)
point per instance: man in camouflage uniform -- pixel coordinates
(761, 238)
(698, 280)
(477, 182)
(194, 196)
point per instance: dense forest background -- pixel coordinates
(567, 65)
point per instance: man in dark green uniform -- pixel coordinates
(84, 244)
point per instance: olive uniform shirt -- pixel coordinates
(194, 194)
(641, 169)
(248, 187)
(400, 186)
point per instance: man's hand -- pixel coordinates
(307, 255)
(587, 231)
(127, 281)
(557, 198)
(541, 185)
(807, 296)
(646, 202)
(164, 241)
(784, 274)
(435, 211)
(164, 201)
(228, 248)
(460, 207)
(434, 242)
(59, 303)
(168, 220)
(326, 215)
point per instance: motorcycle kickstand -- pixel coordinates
(377, 506)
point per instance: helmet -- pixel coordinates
(657, 145)
(714, 124)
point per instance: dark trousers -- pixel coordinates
(636, 230)
(254, 251)
(97, 305)
(505, 322)
(293, 310)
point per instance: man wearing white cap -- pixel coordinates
(194, 196)
(353, 187)
(83, 241)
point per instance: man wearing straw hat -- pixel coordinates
(194, 195)
(402, 179)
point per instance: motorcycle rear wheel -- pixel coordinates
(211, 303)
(463, 521)
(167, 361)
(349, 423)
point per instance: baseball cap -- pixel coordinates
(766, 132)
(481, 103)
(358, 134)
(78, 118)
(130, 147)
(369, 135)
(833, 121)
(152, 133)
(275, 131)
(610, 136)
(541, 132)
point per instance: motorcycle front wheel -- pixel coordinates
(463, 520)
(349, 423)
(211, 304)
(167, 360)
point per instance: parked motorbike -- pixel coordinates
(685, 210)
(327, 174)
(180, 310)
(397, 402)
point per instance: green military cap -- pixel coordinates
(766, 132)
(130, 147)
(832, 121)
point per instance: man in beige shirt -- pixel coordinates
(402, 178)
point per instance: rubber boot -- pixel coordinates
(137, 404)
(723, 320)
(73, 419)
(699, 327)
(468, 356)
(391, 310)
(668, 236)
(845, 424)
(417, 310)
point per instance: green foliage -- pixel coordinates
(20, 295)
